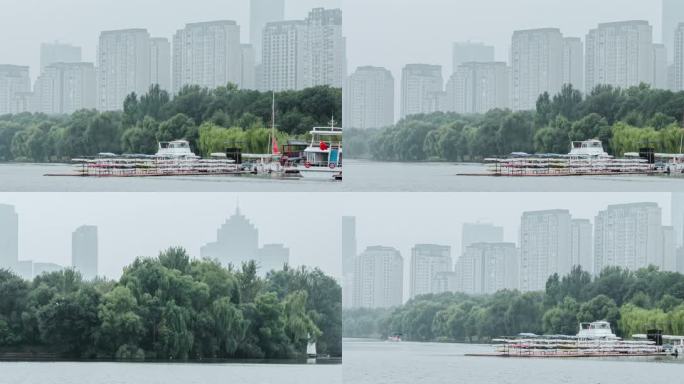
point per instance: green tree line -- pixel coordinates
(243, 116)
(623, 119)
(172, 308)
(632, 302)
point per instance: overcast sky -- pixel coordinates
(142, 224)
(25, 24)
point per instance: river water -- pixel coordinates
(151, 373)
(372, 362)
(359, 176)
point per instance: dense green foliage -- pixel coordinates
(171, 307)
(624, 119)
(196, 114)
(632, 302)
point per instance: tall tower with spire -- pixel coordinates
(237, 241)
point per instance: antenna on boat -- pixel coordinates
(332, 121)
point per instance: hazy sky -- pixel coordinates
(392, 33)
(402, 220)
(142, 224)
(25, 24)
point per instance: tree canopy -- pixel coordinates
(173, 308)
(224, 113)
(632, 302)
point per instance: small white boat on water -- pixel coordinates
(311, 352)
(178, 149)
(588, 149)
(596, 330)
(323, 157)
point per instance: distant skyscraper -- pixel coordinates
(282, 64)
(486, 268)
(427, 260)
(325, 56)
(123, 66)
(669, 262)
(673, 14)
(262, 12)
(15, 85)
(677, 214)
(678, 66)
(207, 54)
(348, 259)
(628, 236)
(660, 67)
(573, 62)
(421, 85)
(369, 98)
(544, 247)
(379, 278)
(160, 62)
(272, 257)
(582, 244)
(84, 251)
(51, 53)
(468, 52)
(237, 241)
(619, 54)
(64, 88)
(472, 233)
(478, 88)
(9, 237)
(247, 67)
(537, 66)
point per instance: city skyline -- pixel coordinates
(508, 220)
(79, 23)
(143, 224)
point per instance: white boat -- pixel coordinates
(323, 157)
(596, 330)
(311, 352)
(178, 149)
(588, 149)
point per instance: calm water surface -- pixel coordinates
(416, 363)
(149, 373)
(361, 176)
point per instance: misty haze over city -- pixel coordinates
(142, 224)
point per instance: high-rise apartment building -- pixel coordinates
(9, 237)
(207, 54)
(427, 260)
(247, 67)
(160, 62)
(369, 98)
(15, 87)
(51, 53)
(628, 236)
(573, 62)
(379, 278)
(660, 80)
(64, 88)
(421, 87)
(470, 52)
(477, 87)
(619, 54)
(536, 65)
(544, 247)
(262, 12)
(582, 244)
(677, 215)
(673, 14)
(325, 55)
(282, 66)
(348, 252)
(472, 233)
(123, 66)
(486, 268)
(84, 251)
(669, 261)
(678, 66)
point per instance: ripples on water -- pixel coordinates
(151, 373)
(359, 176)
(416, 363)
